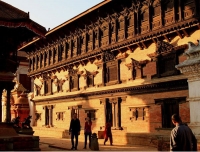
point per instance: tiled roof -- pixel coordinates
(9, 12)
(11, 16)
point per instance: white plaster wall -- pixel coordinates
(194, 90)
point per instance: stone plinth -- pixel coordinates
(11, 141)
(191, 68)
(26, 131)
(6, 129)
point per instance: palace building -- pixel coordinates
(115, 61)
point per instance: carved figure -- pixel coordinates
(27, 122)
(15, 122)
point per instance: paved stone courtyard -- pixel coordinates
(60, 144)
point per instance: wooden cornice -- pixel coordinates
(142, 89)
(123, 44)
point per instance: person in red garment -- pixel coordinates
(88, 131)
(108, 133)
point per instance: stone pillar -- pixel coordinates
(4, 101)
(1, 89)
(8, 112)
(50, 115)
(191, 68)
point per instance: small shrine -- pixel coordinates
(19, 102)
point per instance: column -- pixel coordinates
(191, 68)
(50, 115)
(8, 113)
(56, 55)
(64, 51)
(40, 61)
(36, 62)
(48, 57)
(44, 59)
(32, 64)
(1, 89)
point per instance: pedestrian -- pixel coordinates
(74, 130)
(108, 133)
(182, 138)
(87, 131)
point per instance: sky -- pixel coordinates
(51, 13)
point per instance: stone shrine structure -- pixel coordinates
(191, 68)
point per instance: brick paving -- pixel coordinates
(60, 144)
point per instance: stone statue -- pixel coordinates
(15, 122)
(27, 122)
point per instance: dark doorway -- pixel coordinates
(108, 111)
(46, 116)
(168, 109)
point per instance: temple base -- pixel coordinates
(11, 141)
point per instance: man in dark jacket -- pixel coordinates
(74, 130)
(182, 138)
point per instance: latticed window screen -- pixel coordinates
(112, 72)
(139, 113)
(90, 80)
(73, 82)
(91, 114)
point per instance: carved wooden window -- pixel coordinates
(130, 21)
(138, 113)
(67, 49)
(91, 114)
(48, 115)
(145, 16)
(156, 11)
(90, 36)
(60, 115)
(90, 80)
(54, 55)
(75, 109)
(48, 87)
(41, 60)
(169, 106)
(74, 83)
(112, 72)
(169, 5)
(60, 52)
(112, 29)
(166, 65)
(37, 61)
(121, 23)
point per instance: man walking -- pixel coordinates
(74, 130)
(182, 138)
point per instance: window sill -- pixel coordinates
(116, 128)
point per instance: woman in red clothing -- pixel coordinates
(88, 131)
(108, 133)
